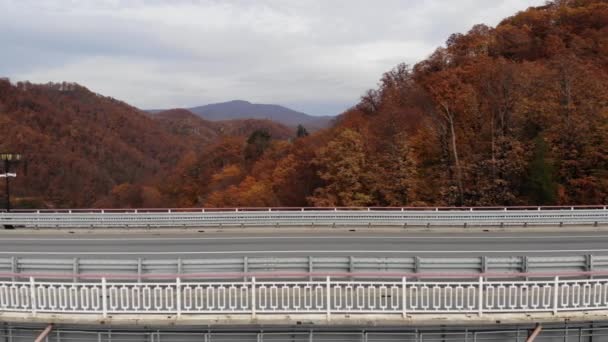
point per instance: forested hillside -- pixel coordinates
(512, 115)
(83, 149)
(78, 144)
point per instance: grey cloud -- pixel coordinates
(318, 56)
(75, 37)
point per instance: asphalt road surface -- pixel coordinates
(363, 244)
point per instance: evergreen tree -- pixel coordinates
(541, 187)
(301, 132)
(257, 143)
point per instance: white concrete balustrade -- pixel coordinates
(300, 297)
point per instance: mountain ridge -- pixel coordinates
(185, 123)
(242, 109)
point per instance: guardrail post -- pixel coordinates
(178, 292)
(328, 297)
(139, 269)
(14, 268)
(33, 300)
(555, 294)
(484, 264)
(253, 302)
(480, 298)
(589, 264)
(403, 296)
(310, 267)
(245, 267)
(75, 270)
(104, 297)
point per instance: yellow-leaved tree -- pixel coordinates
(342, 166)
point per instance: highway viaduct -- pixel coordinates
(395, 300)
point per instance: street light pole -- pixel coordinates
(8, 158)
(8, 189)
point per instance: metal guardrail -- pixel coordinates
(285, 217)
(310, 267)
(571, 332)
(327, 297)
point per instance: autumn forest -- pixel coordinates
(511, 115)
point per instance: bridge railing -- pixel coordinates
(298, 268)
(280, 209)
(289, 217)
(325, 297)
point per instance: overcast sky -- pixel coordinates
(316, 56)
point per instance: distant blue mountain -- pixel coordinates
(240, 109)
